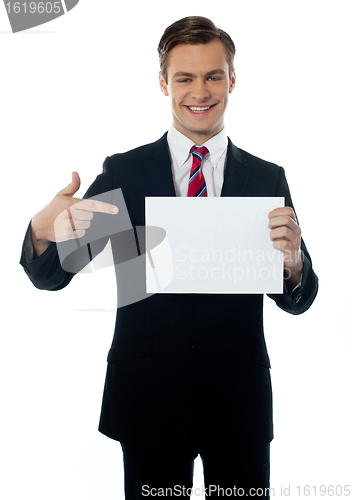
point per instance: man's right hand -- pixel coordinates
(65, 217)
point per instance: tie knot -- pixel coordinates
(199, 152)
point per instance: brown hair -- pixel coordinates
(193, 30)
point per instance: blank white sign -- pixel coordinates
(213, 245)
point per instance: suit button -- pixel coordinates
(196, 347)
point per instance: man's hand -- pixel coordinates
(65, 217)
(286, 236)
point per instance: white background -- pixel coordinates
(85, 86)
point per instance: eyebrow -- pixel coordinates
(210, 73)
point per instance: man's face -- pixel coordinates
(198, 86)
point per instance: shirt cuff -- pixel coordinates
(299, 284)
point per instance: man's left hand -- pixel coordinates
(286, 236)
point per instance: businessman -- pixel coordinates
(188, 374)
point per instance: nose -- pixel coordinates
(200, 91)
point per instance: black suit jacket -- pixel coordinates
(166, 370)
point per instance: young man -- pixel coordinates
(187, 374)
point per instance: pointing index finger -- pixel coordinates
(96, 206)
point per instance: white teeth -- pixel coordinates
(195, 108)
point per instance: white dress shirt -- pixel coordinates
(213, 163)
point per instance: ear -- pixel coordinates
(163, 84)
(232, 82)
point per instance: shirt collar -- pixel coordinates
(180, 146)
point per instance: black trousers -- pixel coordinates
(152, 473)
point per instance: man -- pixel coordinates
(188, 374)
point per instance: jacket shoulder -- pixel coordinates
(254, 162)
(146, 150)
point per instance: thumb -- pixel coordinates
(73, 187)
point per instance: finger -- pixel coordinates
(73, 187)
(291, 253)
(286, 211)
(64, 230)
(80, 224)
(77, 229)
(285, 233)
(81, 214)
(287, 221)
(285, 245)
(96, 206)
(77, 234)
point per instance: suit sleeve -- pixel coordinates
(302, 298)
(45, 271)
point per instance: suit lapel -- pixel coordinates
(157, 167)
(237, 173)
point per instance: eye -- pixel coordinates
(214, 78)
(185, 80)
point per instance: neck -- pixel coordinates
(199, 138)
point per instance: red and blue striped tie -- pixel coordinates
(196, 183)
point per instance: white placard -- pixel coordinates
(213, 245)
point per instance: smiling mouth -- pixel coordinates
(200, 109)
